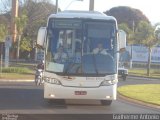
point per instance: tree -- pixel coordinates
(128, 31)
(4, 19)
(26, 44)
(127, 15)
(37, 12)
(3, 32)
(21, 22)
(25, 47)
(145, 34)
(157, 31)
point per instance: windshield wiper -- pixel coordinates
(71, 66)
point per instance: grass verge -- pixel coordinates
(17, 72)
(154, 73)
(14, 76)
(21, 70)
(148, 93)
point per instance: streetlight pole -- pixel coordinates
(56, 6)
(91, 5)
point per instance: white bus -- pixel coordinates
(81, 74)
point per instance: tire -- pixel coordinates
(106, 102)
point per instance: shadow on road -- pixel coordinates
(12, 98)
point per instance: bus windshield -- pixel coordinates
(81, 47)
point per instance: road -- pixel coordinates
(26, 98)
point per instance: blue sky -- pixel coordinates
(150, 8)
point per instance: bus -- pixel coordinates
(81, 74)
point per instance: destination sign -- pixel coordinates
(67, 24)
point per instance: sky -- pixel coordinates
(150, 8)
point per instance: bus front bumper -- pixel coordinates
(52, 91)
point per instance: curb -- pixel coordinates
(138, 101)
(16, 80)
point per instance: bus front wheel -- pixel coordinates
(106, 102)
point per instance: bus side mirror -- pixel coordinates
(41, 37)
(121, 39)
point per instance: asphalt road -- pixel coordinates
(26, 98)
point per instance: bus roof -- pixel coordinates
(82, 14)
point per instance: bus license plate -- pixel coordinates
(80, 92)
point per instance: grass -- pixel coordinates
(149, 93)
(22, 70)
(155, 73)
(14, 76)
(18, 71)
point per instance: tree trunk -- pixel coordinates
(149, 61)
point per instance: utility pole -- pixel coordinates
(91, 5)
(13, 28)
(131, 63)
(56, 6)
(13, 16)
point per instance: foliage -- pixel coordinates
(128, 31)
(21, 22)
(3, 32)
(26, 44)
(144, 34)
(37, 12)
(157, 32)
(4, 22)
(4, 19)
(127, 15)
(32, 15)
(15, 70)
(124, 27)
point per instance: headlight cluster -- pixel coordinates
(108, 82)
(52, 81)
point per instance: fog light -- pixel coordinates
(107, 97)
(52, 95)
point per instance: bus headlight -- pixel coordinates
(108, 82)
(52, 81)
